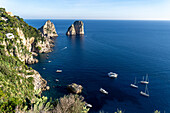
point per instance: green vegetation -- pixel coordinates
(14, 89)
(39, 48)
(17, 92)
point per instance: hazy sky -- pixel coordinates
(89, 9)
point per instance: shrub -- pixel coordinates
(70, 104)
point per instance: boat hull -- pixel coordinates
(58, 71)
(112, 75)
(133, 85)
(144, 94)
(144, 82)
(103, 91)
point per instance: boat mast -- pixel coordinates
(146, 90)
(146, 77)
(135, 81)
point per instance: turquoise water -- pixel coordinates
(129, 48)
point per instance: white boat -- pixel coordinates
(146, 93)
(44, 68)
(88, 105)
(49, 61)
(112, 75)
(56, 80)
(103, 91)
(58, 71)
(134, 85)
(145, 80)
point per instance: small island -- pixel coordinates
(77, 28)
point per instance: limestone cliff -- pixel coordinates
(38, 82)
(24, 39)
(77, 28)
(20, 41)
(48, 29)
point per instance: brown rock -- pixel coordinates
(48, 87)
(75, 88)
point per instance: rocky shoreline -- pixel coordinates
(49, 33)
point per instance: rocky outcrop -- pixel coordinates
(48, 29)
(44, 46)
(39, 82)
(75, 88)
(48, 32)
(19, 47)
(76, 29)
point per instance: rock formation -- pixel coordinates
(48, 29)
(39, 82)
(75, 88)
(77, 28)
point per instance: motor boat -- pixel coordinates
(103, 91)
(112, 75)
(58, 71)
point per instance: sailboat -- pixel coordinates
(145, 80)
(134, 85)
(146, 93)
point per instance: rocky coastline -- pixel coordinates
(21, 86)
(24, 42)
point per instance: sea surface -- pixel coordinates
(129, 48)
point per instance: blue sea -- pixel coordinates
(129, 48)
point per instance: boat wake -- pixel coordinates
(64, 48)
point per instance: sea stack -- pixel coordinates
(77, 28)
(48, 29)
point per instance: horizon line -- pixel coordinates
(94, 19)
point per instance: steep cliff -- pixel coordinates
(20, 85)
(77, 28)
(48, 29)
(19, 39)
(18, 82)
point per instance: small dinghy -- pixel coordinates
(145, 80)
(88, 105)
(134, 85)
(146, 93)
(56, 80)
(44, 68)
(58, 71)
(112, 75)
(103, 91)
(49, 61)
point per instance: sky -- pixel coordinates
(89, 9)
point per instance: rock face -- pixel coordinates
(24, 45)
(39, 82)
(76, 29)
(48, 29)
(75, 88)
